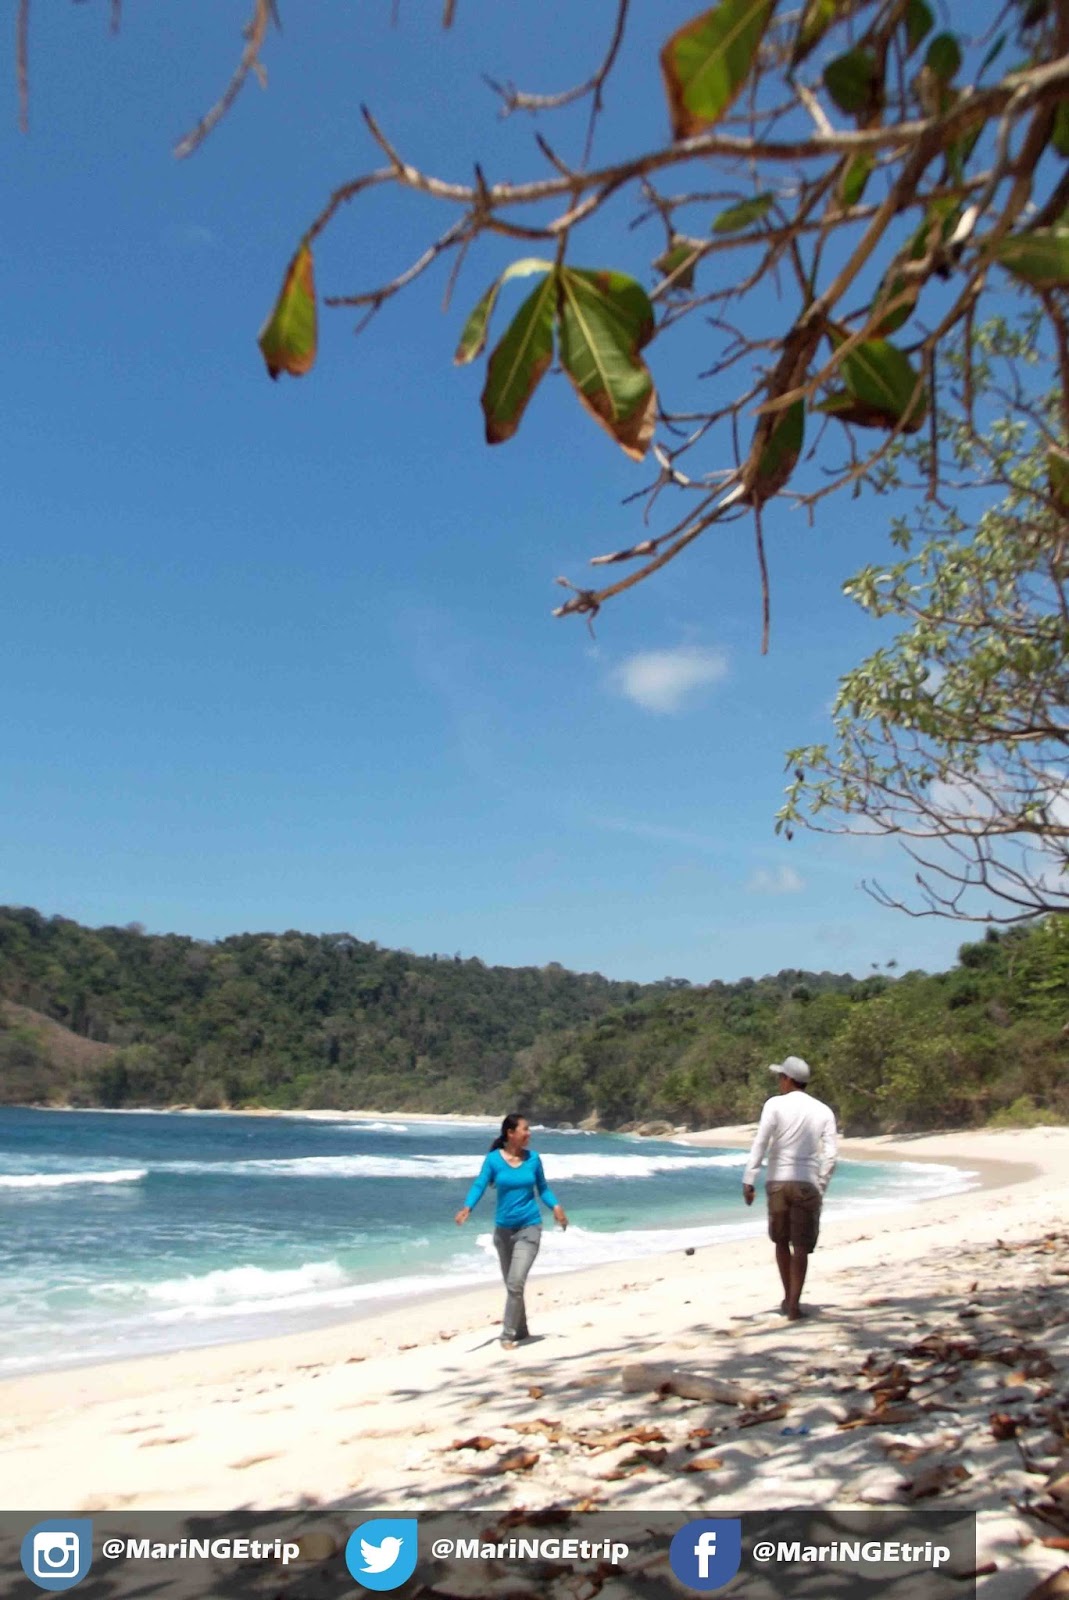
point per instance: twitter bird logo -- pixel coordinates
(381, 1557)
(382, 1554)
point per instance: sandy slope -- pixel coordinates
(367, 1414)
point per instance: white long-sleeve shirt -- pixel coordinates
(798, 1135)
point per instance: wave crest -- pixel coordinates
(60, 1180)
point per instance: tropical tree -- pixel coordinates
(954, 736)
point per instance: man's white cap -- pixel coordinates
(793, 1067)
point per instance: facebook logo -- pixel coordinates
(706, 1555)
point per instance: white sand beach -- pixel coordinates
(925, 1324)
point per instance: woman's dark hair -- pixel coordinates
(509, 1125)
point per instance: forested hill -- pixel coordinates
(278, 1019)
(986, 1041)
(115, 1016)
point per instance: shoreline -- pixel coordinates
(380, 1300)
(454, 1301)
(418, 1408)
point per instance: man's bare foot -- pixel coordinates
(783, 1307)
(795, 1313)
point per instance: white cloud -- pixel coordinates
(663, 680)
(783, 880)
(658, 831)
(189, 236)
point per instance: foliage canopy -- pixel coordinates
(884, 175)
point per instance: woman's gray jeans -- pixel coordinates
(516, 1249)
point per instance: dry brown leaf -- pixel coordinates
(623, 1471)
(750, 1419)
(885, 1393)
(1003, 1425)
(882, 1416)
(649, 1456)
(516, 1461)
(520, 1517)
(479, 1441)
(535, 1392)
(703, 1464)
(934, 1479)
(906, 1454)
(597, 1443)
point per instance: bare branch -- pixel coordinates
(255, 33)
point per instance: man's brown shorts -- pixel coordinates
(794, 1214)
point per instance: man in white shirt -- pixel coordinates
(797, 1132)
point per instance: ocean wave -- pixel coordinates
(907, 1182)
(377, 1127)
(581, 1248)
(229, 1285)
(257, 1293)
(561, 1167)
(60, 1180)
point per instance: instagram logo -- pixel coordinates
(58, 1554)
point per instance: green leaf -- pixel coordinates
(919, 23)
(737, 218)
(706, 62)
(855, 176)
(881, 378)
(940, 220)
(784, 435)
(1039, 258)
(473, 339)
(817, 18)
(1058, 477)
(678, 261)
(944, 57)
(1060, 136)
(853, 81)
(605, 318)
(288, 338)
(517, 364)
(900, 298)
(959, 151)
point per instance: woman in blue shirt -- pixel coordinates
(516, 1173)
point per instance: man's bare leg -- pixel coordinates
(799, 1265)
(783, 1262)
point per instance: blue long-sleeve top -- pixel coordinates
(517, 1189)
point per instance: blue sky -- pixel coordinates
(281, 655)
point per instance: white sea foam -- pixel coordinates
(560, 1168)
(378, 1127)
(60, 1180)
(256, 1286)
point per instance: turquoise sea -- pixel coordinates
(124, 1233)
